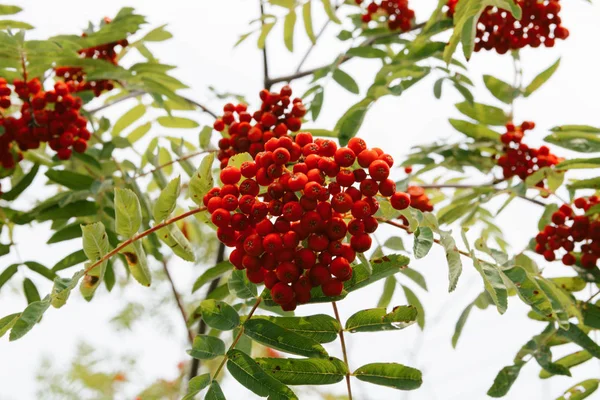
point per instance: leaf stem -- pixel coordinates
(178, 300)
(344, 351)
(142, 235)
(237, 338)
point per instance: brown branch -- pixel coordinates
(368, 42)
(237, 338)
(177, 160)
(178, 301)
(344, 351)
(267, 81)
(142, 235)
(136, 93)
(202, 327)
(490, 185)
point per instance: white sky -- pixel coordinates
(202, 49)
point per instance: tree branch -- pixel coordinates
(142, 235)
(202, 327)
(178, 301)
(183, 158)
(267, 81)
(490, 185)
(368, 42)
(344, 351)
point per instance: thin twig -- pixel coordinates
(136, 93)
(178, 300)
(237, 338)
(177, 160)
(490, 185)
(344, 351)
(368, 42)
(142, 235)
(267, 81)
(202, 327)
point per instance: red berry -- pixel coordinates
(282, 293)
(400, 200)
(332, 288)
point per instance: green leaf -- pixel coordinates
(487, 115)
(330, 11)
(71, 231)
(62, 289)
(366, 52)
(6, 323)
(568, 361)
(9, 10)
(311, 371)
(570, 284)
(414, 301)
(139, 132)
(31, 292)
(591, 315)
(137, 262)
(320, 327)
(539, 80)
(460, 324)
(453, 259)
(214, 392)
(395, 243)
(40, 269)
(157, 35)
(207, 347)
(30, 316)
(382, 268)
(177, 122)
(423, 242)
(288, 29)
(195, 385)
(72, 259)
(349, 124)
(308, 24)
(128, 213)
(316, 104)
(204, 137)
(95, 246)
(582, 142)
(415, 276)
(264, 32)
(592, 183)
(11, 24)
(529, 291)
(247, 372)
(581, 390)
(504, 380)
(128, 118)
(378, 319)
(202, 181)
(82, 208)
(219, 315)
(579, 163)
(577, 128)
(8, 273)
(500, 89)
(577, 336)
(475, 131)
(212, 273)
(22, 184)
(345, 81)
(277, 337)
(389, 287)
(240, 286)
(69, 179)
(393, 375)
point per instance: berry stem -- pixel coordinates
(368, 42)
(344, 352)
(202, 327)
(142, 235)
(178, 300)
(267, 81)
(136, 93)
(177, 160)
(237, 338)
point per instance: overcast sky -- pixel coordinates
(202, 48)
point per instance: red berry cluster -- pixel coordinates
(498, 29)
(567, 229)
(51, 116)
(75, 77)
(399, 15)
(316, 213)
(419, 199)
(518, 158)
(274, 119)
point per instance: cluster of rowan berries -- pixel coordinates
(46, 116)
(397, 12)
(519, 159)
(316, 212)
(498, 29)
(76, 76)
(567, 229)
(419, 199)
(278, 115)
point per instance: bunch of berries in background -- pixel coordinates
(75, 77)
(520, 160)
(46, 116)
(498, 29)
(298, 214)
(569, 229)
(278, 115)
(397, 13)
(419, 199)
